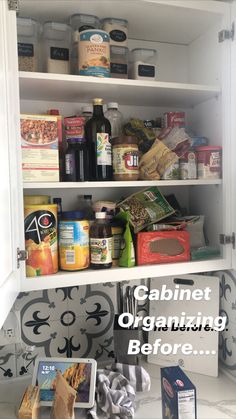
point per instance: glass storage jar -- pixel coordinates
(117, 29)
(28, 32)
(119, 62)
(143, 64)
(56, 47)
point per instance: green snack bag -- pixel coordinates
(127, 254)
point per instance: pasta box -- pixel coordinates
(178, 394)
(40, 136)
(163, 247)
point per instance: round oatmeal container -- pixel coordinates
(209, 162)
(94, 53)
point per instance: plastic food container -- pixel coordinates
(41, 239)
(119, 62)
(143, 64)
(125, 158)
(81, 22)
(73, 241)
(56, 47)
(94, 53)
(209, 162)
(117, 29)
(28, 31)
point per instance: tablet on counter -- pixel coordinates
(80, 373)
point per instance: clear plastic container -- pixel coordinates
(116, 119)
(28, 33)
(117, 29)
(119, 62)
(87, 112)
(143, 64)
(81, 22)
(56, 47)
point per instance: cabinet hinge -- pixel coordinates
(227, 34)
(21, 256)
(13, 5)
(224, 239)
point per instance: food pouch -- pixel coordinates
(127, 254)
(146, 207)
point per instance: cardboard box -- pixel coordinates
(178, 395)
(163, 247)
(39, 144)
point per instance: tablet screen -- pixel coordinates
(77, 374)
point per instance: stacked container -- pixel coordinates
(56, 47)
(28, 31)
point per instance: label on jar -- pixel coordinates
(103, 149)
(74, 244)
(69, 164)
(101, 250)
(61, 54)
(25, 50)
(145, 70)
(117, 68)
(125, 160)
(118, 35)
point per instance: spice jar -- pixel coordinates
(117, 29)
(56, 46)
(125, 158)
(119, 62)
(73, 241)
(28, 44)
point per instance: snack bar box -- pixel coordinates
(163, 247)
(40, 136)
(178, 394)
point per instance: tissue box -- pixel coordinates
(29, 408)
(178, 394)
(40, 136)
(163, 247)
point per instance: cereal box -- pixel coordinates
(178, 395)
(39, 145)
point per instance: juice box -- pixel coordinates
(39, 144)
(178, 394)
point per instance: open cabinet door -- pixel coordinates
(11, 212)
(233, 132)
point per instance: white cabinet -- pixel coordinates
(195, 74)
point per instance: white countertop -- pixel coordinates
(216, 397)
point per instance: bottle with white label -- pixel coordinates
(98, 133)
(100, 238)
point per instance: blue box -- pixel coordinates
(178, 395)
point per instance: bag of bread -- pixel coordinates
(64, 400)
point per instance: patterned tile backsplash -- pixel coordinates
(78, 322)
(69, 322)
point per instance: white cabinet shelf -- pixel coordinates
(89, 276)
(69, 88)
(123, 184)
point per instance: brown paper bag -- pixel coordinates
(64, 400)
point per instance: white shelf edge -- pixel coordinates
(118, 82)
(88, 277)
(117, 184)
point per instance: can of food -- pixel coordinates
(172, 173)
(94, 53)
(188, 165)
(117, 232)
(36, 199)
(209, 162)
(41, 239)
(174, 119)
(73, 241)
